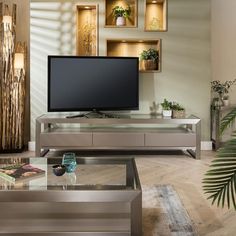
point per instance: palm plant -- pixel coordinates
(220, 180)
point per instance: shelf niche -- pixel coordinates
(110, 20)
(155, 15)
(133, 48)
(87, 30)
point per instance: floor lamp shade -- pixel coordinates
(19, 61)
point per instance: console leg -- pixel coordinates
(198, 140)
(37, 139)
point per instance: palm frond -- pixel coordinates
(220, 180)
(227, 120)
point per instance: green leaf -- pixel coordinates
(228, 194)
(225, 160)
(227, 120)
(224, 164)
(219, 198)
(217, 178)
(232, 195)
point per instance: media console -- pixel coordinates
(129, 132)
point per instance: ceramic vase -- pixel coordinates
(120, 21)
(167, 113)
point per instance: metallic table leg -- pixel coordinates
(37, 139)
(198, 140)
(136, 216)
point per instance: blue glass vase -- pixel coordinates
(69, 160)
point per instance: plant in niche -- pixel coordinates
(119, 11)
(121, 14)
(150, 54)
(88, 38)
(150, 59)
(154, 24)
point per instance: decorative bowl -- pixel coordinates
(59, 170)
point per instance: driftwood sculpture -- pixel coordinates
(12, 83)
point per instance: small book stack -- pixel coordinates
(20, 172)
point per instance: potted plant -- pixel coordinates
(166, 108)
(222, 89)
(178, 111)
(121, 14)
(150, 59)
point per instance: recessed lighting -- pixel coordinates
(154, 1)
(86, 7)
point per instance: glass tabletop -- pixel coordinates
(36, 174)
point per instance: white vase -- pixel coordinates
(167, 113)
(120, 21)
(226, 102)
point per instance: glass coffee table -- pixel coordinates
(102, 197)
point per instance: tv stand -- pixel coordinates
(92, 114)
(130, 132)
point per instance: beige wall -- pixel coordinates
(223, 37)
(186, 67)
(23, 35)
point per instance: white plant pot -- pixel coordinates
(167, 113)
(120, 21)
(226, 102)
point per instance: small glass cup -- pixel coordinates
(69, 160)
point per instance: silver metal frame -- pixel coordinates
(192, 123)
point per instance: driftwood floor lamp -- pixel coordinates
(12, 83)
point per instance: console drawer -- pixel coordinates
(118, 139)
(170, 139)
(66, 139)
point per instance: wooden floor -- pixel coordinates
(186, 174)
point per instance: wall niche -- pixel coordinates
(155, 15)
(87, 30)
(133, 48)
(129, 21)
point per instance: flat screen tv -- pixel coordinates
(92, 83)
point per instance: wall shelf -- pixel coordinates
(155, 15)
(87, 30)
(133, 48)
(110, 20)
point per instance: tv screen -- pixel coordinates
(92, 83)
